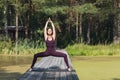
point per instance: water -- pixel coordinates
(14, 60)
(11, 67)
(107, 68)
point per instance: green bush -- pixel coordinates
(93, 50)
(25, 47)
(30, 47)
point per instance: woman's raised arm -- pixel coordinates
(54, 32)
(45, 30)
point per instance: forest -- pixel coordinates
(83, 22)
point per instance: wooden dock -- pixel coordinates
(50, 68)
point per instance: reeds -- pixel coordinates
(30, 47)
(25, 47)
(93, 50)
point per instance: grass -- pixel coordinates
(101, 68)
(93, 50)
(27, 47)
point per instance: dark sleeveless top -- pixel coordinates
(50, 44)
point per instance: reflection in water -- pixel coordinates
(14, 60)
(11, 67)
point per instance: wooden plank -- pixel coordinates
(74, 75)
(57, 75)
(63, 51)
(69, 76)
(53, 64)
(50, 68)
(43, 63)
(62, 74)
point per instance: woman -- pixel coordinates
(50, 35)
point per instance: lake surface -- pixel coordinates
(14, 60)
(12, 67)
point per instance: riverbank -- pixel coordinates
(93, 50)
(73, 50)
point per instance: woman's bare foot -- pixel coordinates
(68, 69)
(30, 69)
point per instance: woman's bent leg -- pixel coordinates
(60, 54)
(41, 54)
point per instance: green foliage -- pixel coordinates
(21, 7)
(49, 7)
(87, 8)
(64, 17)
(1, 4)
(25, 47)
(107, 8)
(38, 4)
(54, 10)
(95, 50)
(5, 46)
(104, 2)
(28, 47)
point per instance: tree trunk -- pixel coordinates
(70, 20)
(80, 29)
(26, 31)
(116, 29)
(80, 24)
(118, 3)
(5, 18)
(25, 24)
(70, 16)
(28, 19)
(16, 34)
(56, 18)
(76, 22)
(88, 32)
(26, 27)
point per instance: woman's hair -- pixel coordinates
(51, 29)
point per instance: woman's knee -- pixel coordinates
(64, 55)
(35, 55)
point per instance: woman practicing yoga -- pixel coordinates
(50, 35)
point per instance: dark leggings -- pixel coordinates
(50, 53)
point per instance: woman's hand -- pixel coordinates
(49, 20)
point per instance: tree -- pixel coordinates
(107, 14)
(16, 20)
(16, 6)
(3, 15)
(89, 9)
(76, 22)
(70, 15)
(2, 11)
(18, 9)
(116, 29)
(89, 21)
(27, 11)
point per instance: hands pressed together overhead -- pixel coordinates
(49, 20)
